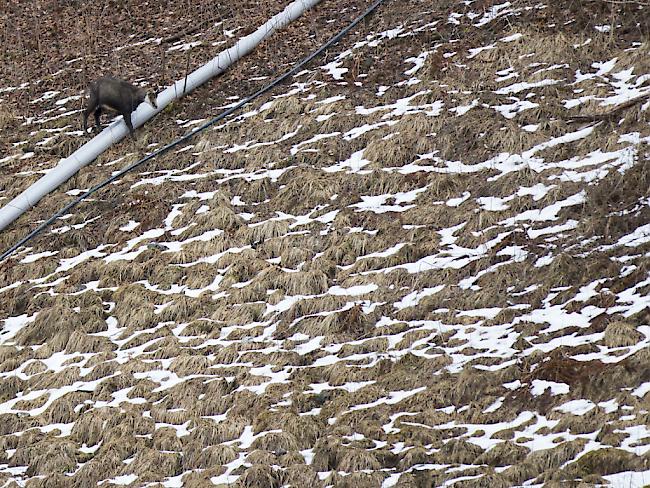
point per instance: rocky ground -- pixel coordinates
(422, 262)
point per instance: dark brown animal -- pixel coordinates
(120, 96)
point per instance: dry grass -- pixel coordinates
(169, 355)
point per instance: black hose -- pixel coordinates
(201, 128)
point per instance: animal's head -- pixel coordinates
(144, 95)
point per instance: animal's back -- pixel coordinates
(111, 92)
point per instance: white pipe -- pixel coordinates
(117, 130)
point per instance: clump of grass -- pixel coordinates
(165, 439)
(276, 442)
(153, 465)
(621, 334)
(503, 454)
(544, 462)
(459, 451)
(46, 457)
(204, 458)
(300, 475)
(259, 475)
(7, 119)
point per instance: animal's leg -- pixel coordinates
(127, 119)
(85, 119)
(98, 125)
(92, 105)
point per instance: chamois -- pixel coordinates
(116, 95)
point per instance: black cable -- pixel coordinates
(201, 128)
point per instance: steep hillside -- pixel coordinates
(423, 262)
